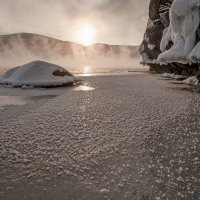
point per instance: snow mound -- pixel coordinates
(191, 81)
(173, 76)
(38, 74)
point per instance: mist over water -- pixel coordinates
(114, 22)
(19, 49)
(98, 65)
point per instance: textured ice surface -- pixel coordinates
(132, 137)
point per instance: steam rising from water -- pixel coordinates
(18, 49)
(114, 21)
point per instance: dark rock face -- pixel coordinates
(62, 73)
(158, 21)
(150, 47)
(153, 37)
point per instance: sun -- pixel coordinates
(86, 35)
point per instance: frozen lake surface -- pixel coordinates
(116, 137)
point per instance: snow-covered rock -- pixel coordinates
(38, 74)
(191, 81)
(173, 27)
(184, 22)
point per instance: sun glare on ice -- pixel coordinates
(86, 35)
(87, 69)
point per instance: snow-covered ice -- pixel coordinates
(37, 74)
(131, 137)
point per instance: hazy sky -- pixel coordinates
(114, 21)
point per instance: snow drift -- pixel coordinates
(38, 74)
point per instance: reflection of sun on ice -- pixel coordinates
(86, 35)
(87, 70)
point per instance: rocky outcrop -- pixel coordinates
(158, 49)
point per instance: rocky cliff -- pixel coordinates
(171, 41)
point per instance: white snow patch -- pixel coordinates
(37, 74)
(173, 76)
(191, 81)
(151, 46)
(149, 24)
(147, 60)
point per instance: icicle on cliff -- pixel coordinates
(172, 40)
